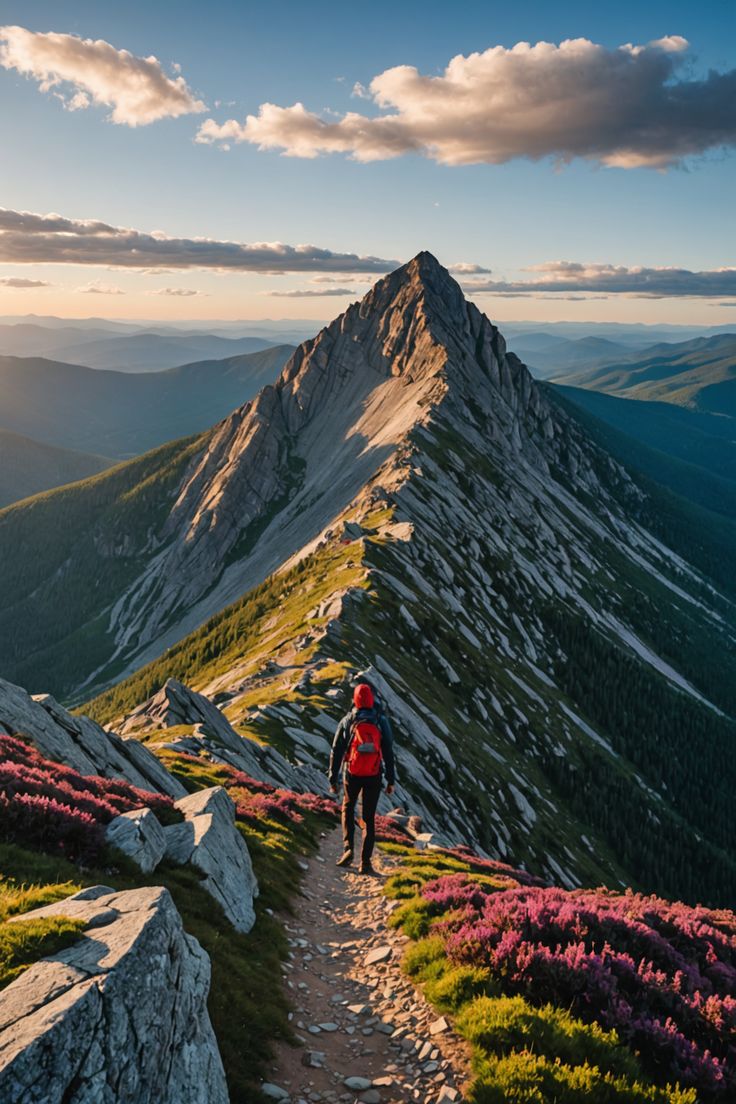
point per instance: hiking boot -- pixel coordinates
(367, 868)
(346, 859)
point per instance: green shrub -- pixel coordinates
(454, 987)
(423, 956)
(414, 917)
(525, 1078)
(502, 1024)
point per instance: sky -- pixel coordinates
(589, 178)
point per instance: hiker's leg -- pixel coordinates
(371, 794)
(349, 799)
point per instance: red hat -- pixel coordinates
(363, 696)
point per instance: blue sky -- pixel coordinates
(502, 216)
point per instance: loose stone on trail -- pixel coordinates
(380, 954)
(380, 1042)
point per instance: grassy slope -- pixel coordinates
(702, 447)
(243, 635)
(66, 556)
(682, 508)
(123, 414)
(28, 467)
(247, 1004)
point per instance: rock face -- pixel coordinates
(210, 841)
(80, 742)
(176, 704)
(288, 463)
(138, 835)
(120, 1017)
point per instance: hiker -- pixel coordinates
(364, 746)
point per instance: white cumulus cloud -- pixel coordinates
(464, 268)
(625, 107)
(83, 71)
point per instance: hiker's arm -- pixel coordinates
(387, 747)
(337, 754)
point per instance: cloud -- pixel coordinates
(21, 282)
(626, 107)
(309, 293)
(96, 288)
(639, 282)
(85, 71)
(28, 238)
(463, 268)
(341, 279)
(175, 291)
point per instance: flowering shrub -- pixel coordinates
(389, 830)
(257, 801)
(54, 808)
(662, 975)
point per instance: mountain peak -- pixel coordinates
(422, 290)
(425, 270)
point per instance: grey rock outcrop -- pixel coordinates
(176, 704)
(80, 742)
(138, 835)
(120, 1017)
(209, 840)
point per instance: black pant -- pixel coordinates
(370, 788)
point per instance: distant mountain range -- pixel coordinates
(699, 374)
(28, 467)
(547, 354)
(137, 352)
(142, 347)
(121, 414)
(692, 454)
(670, 413)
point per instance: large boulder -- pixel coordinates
(120, 1017)
(80, 742)
(209, 839)
(138, 835)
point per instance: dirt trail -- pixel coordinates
(356, 1015)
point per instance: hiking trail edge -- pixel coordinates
(364, 1032)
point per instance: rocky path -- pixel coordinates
(365, 1034)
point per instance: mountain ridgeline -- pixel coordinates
(556, 649)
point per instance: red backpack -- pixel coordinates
(364, 753)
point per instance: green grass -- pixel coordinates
(24, 942)
(243, 635)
